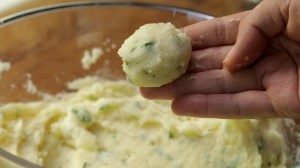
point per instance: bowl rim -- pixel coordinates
(73, 5)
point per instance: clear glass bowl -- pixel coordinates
(44, 46)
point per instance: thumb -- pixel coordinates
(255, 31)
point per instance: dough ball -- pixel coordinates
(156, 54)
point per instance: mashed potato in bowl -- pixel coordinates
(108, 124)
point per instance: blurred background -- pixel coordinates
(212, 7)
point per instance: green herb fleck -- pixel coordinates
(84, 165)
(178, 67)
(82, 115)
(178, 38)
(160, 152)
(169, 157)
(92, 97)
(269, 164)
(260, 145)
(128, 79)
(149, 44)
(152, 143)
(127, 63)
(132, 50)
(179, 41)
(18, 113)
(146, 72)
(149, 73)
(75, 111)
(138, 104)
(99, 150)
(171, 135)
(124, 161)
(105, 107)
(86, 119)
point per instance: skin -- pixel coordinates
(245, 65)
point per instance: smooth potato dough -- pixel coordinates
(156, 54)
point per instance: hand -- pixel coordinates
(262, 46)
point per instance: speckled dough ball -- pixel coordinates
(156, 54)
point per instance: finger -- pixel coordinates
(293, 13)
(214, 32)
(255, 31)
(208, 59)
(208, 82)
(249, 104)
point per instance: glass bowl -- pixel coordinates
(44, 46)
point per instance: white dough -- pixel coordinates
(4, 66)
(90, 58)
(156, 54)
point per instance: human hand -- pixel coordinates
(269, 87)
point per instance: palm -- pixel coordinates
(278, 70)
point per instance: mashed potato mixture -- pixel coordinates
(107, 124)
(156, 54)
